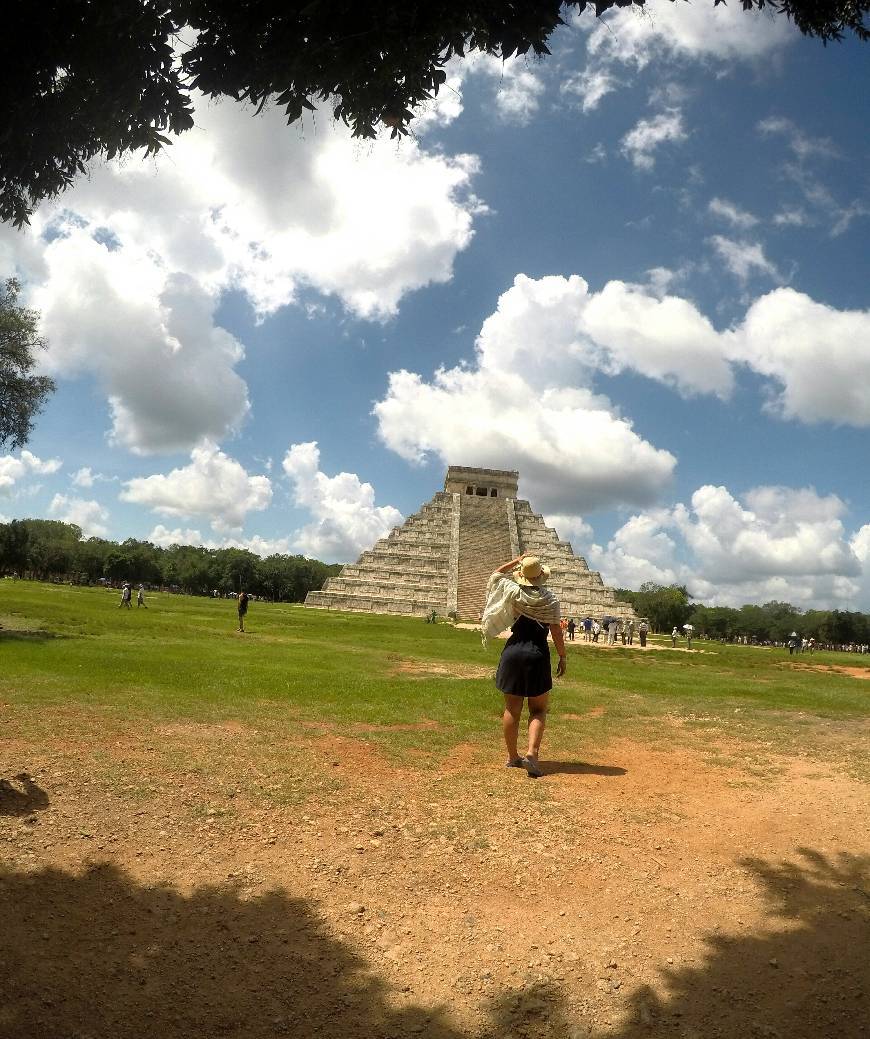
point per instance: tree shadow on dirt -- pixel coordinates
(580, 768)
(21, 796)
(98, 955)
(806, 976)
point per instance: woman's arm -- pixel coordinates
(512, 565)
(559, 643)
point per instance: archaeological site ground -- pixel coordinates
(307, 831)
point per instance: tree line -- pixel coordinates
(48, 550)
(669, 606)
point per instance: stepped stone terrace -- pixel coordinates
(441, 557)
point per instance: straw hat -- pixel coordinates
(532, 572)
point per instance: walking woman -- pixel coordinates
(517, 597)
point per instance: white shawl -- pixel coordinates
(506, 600)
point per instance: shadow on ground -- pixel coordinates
(807, 975)
(21, 796)
(99, 955)
(580, 768)
(102, 956)
(22, 635)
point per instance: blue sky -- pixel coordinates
(636, 271)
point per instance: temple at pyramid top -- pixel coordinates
(441, 557)
(485, 483)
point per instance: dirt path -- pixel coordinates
(200, 881)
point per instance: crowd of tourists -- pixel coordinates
(614, 629)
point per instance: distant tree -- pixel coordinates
(51, 547)
(118, 565)
(238, 568)
(274, 576)
(781, 620)
(719, 622)
(89, 558)
(144, 561)
(664, 605)
(14, 546)
(22, 394)
(83, 79)
(845, 627)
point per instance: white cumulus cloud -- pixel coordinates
(13, 468)
(684, 32)
(345, 517)
(590, 86)
(528, 403)
(213, 486)
(91, 516)
(773, 543)
(516, 90)
(816, 357)
(168, 372)
(732, 213)
(83, 477)
(165, 537)
(642, 142)
(128, 266)
(744, 258)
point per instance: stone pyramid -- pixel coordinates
(441, 557)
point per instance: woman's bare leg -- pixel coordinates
(510, 723)
(537, 719)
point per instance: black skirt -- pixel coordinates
(524, 667)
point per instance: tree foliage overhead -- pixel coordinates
(86, 78)
(22, 394)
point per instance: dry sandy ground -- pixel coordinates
(198, 881)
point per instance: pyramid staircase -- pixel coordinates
(484, 544)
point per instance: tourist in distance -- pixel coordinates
(126, 596)
(643, 631)
(572, 627)
(243, 608)
(517, 597)
(674, 635)
(140, 597)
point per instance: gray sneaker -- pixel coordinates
(533, 769)
(514, 763)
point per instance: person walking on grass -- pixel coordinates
(140, 597)
(126, 596)
(243, 608)
(517, 597)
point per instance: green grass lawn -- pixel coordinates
(182, 659)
